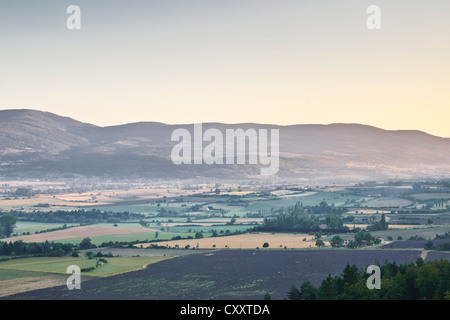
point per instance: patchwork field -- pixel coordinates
(115, 265)
(94, 198)
(209, 271)
(225, 274)
(21, 275)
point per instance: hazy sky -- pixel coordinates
(267, 61)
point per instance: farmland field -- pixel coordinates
(436, 255)
(21, 275)
(388, 202)
(81, 232)
(17, 281)
(307, 199)
(391, 226)
(59, 265)
(223, 246)
(431, 196)
(135, 252)
(245, 241)
(225, 274)
(426, 232)
(24, 227)
(411, 244)
(128, 237)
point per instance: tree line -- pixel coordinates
(46, 249)
(50, 249)
(76, 216)
(410, 281)
(300, 218)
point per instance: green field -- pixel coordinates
(151, 208)
(10, 274)
(32, 227)
(163, 235)
(250, 204)
(307, 199)
(115, 265)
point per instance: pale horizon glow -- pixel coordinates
(237, 61)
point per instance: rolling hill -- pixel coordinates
(35, 144)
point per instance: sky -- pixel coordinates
(260, 61)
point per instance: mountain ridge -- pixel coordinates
(39, 144)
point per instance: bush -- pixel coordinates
(443, 246)
(87, 269)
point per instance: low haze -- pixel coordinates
(280, 62)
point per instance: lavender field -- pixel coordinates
(226, 274)
(413, 244)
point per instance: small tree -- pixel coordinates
(294, 293)
(7, 225)
(265, 245)
(198, 235)
(327, 289)
(350, 274)
(336, 241)
(429, 245)
(308, 291)
(320, 243)
(85, 244)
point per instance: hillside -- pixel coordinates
(35, 144)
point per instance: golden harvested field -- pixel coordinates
(245, 241)
(80, 232)
(28, 283)
(28, 202)
(403, 226)
(370, 211)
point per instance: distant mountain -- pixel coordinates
(35, 144)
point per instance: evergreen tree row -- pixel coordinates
(412, 281)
